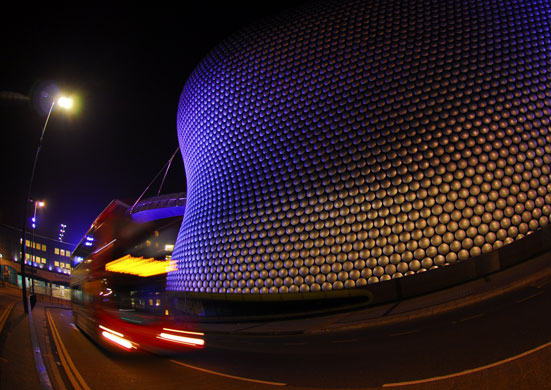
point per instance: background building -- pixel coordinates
(48, 261)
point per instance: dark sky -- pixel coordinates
(128, 68)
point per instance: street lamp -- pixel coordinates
(37, 204)
(2, 271)
(63, 102)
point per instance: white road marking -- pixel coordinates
(344, 341)
(404, 333)
(230, 376)
(471, 317)
(529, 297)
(438, 378)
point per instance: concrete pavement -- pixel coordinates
(536, 271)
(17, 368)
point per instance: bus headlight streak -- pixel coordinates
(117, 340)
(116, 337)
(111, 331)
(184, 331)
(182, 339)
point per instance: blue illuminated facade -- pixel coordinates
(348, 143)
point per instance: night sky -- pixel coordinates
(127, 68)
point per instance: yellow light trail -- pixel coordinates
(140, 266)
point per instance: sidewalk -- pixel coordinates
(17, 367)
(532, 272)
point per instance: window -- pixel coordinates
(56, 251)
(56, 263)
(27, 243)
(62, 252)
(27, 256)
(43, 260)
(44, 247)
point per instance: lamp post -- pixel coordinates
(2, 276)
(37, 204)
(66, 103)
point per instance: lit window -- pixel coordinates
(44, 247)
(62, 252)
(27, 243)
(169, 247)
(56, 251)
(43, 260)
(56, 263)
(27, 256)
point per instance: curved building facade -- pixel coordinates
(349, 143)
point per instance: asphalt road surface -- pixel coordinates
(500, 343)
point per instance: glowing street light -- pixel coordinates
(65, 103)
(37, 204)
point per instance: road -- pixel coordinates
(500, 343)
